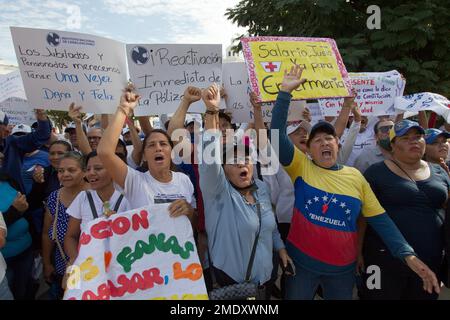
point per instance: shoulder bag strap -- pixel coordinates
(91, 204)
(118, 202)
(252, 256)
(54, 231)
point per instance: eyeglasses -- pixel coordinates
(385, 129)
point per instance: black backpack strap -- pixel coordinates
(118, 202)
(91, 204)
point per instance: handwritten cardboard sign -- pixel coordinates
(11, 86)
(376, 93)
(59, 67)
(237, 87)
(161, 73)
(424, 101)
(18, 111)
(268, 57)
(139, 254)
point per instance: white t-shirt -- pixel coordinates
(141, 189)
(2, 261)
(81, 210)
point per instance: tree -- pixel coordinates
(59, 118)
(414, 37)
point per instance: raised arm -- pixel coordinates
(352, 134)
(83, 143)
(191, 95)
(107, 147)
(212, 177)
(291, 81)
(136, 154)
(261, 131)
(104, 120)
(145, 124)
(34, 140)
(342, 119)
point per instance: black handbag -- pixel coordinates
(246, 290)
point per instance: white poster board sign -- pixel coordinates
(376, 93)
(11, 86)
(237, 87)
(59, 67)
(424, 101)
(18, 111)
(161, 73)
(141, 254)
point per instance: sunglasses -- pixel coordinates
(385, 129)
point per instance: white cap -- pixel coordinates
(302, 124)
(125, 131)
(21, 128)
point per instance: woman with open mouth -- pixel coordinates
(101, 199)
(329, 198)
(238, 211)
(159, 184)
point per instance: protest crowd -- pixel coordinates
(337, 207)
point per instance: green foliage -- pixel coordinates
(414, 37)
(59, 118)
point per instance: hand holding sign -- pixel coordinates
(75, 112)
(211, 98)
(180, 207)
(192, 94)
(129, 99)
(292, 79)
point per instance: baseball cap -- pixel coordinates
(402, 127)
(321, 126)
(302, 124)
(3, 118)
(432, 134)
(21, 128)
(125, 131)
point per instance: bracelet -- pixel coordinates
(122, 109)
(212, 112)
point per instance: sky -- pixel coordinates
(129, 21)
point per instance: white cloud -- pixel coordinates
(49, 14)
(187, 22)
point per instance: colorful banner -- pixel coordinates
(376, 93)
(425, 101)
(140, 254)
(18, 111)
(161, 73)
(268, 57)
(237, 87)
(11, 86)
(59, 67)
